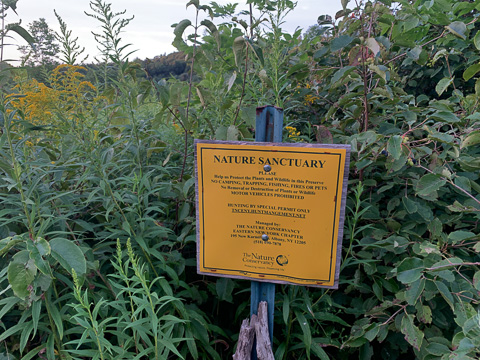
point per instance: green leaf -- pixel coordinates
(394, 146)
(476, 40)
(457, 28)
(307, 335)
(340, 42)
(424, 313)
(232, 133)
(410, 205)
(21, 276)
(22, 32)
(471, 71)
(413, 335)
(446, 294)
(429, 184)
(339, 74)
(460, 235)
(414, 53)
(213, 30)
(69, 255)
(231, 81)
(238, 46)
(39, 249)
(36, 308)
(286, 308)
(415, 291)
(471, 139)
(224, 288)
(476, 280)
(410, 270)
(443, 85)
(373, 45)
(221, 133)
(180, 27)
(445, 116)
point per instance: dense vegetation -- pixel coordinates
(97, 235)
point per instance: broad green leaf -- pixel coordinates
(394, 146)
(410, 205)
(340, 42)
(410, 270)
(443, 85)
(69, 255)
(232, 133)
(373, 45)
(21, 276)
(446, 294)
(410, 23)
(476, 280)
(415, 291)
(339, 74)
(382, 74)
(424, 313)
(221, 133)
(180, 27)
(429, 184)
(471, 71)
(457, 28)
(445, 116)
(476, 40)
(460, 235)
(437, 349)
(39, 249)
(413, 335)
(414, 53)
(471, 139)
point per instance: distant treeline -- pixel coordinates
(160, 67)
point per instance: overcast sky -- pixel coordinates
(150, 31)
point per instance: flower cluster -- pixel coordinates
(67, 97)
(292, 132)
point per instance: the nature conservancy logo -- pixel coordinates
(282, 260)
(254, 258)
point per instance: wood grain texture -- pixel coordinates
(264, 347)
(245, 339)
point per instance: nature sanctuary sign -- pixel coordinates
(271, 211)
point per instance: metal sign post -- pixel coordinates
(268, 128)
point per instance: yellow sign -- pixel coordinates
(271, 212)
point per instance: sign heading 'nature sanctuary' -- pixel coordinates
(271, 212)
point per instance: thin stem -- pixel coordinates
(189, 98)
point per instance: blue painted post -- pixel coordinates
(268, 128)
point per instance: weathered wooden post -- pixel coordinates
(268, 128)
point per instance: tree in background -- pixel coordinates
(46, 46)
